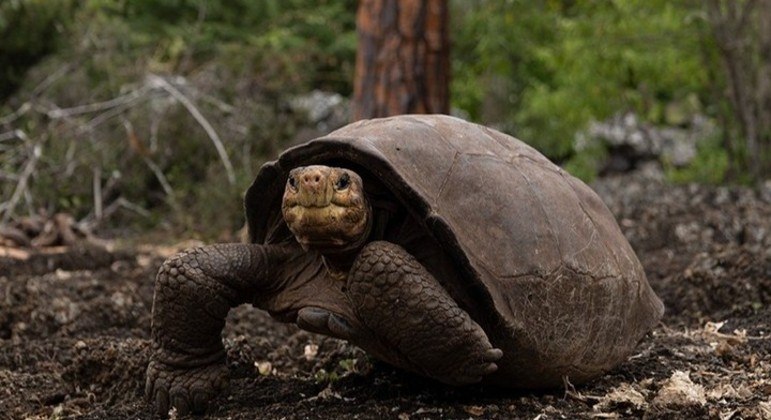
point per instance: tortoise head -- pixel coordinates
(325, 208)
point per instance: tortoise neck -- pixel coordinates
(341, 260)
(338, 267)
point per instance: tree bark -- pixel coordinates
(403, 60)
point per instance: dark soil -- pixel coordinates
(74, 334)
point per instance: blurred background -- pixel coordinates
(155, 115)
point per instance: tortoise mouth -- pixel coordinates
(330, 226)
(322, 244)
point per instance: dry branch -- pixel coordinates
(9, 207)
(191, 108)
(20, 158)
(97, 187)
(8, 135)
(13, 116)
(98, 106)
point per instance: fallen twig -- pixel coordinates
(571, 392)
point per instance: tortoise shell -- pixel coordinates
(550, 276)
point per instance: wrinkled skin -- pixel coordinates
(325, 208)
(333, 279)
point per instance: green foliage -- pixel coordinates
(585, 163)
(237, 62)
(710, 166)
(29, 30)
(344, 368)
(310, 43)
(495, 54)
(543, 70)
(538, 70)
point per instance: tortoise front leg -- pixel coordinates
(194, 290)
(414, 323)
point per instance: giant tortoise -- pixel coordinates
(439, 246)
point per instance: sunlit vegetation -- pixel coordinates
(184, 99)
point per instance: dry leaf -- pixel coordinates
(622, 395)
(680, 391)
(474, 410)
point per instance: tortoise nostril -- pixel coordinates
(311, 180)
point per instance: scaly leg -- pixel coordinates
(416, 324)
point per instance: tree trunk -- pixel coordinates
(403, 60)
(742, 36)
(763, 92)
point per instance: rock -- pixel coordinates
(650, 170)
(679, 391)
(631, 142)
(265, 368)
(325, 110)
(310, 351)
(625, 131)
(64, 310)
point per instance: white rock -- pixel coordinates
(265, 368)
(310, 351)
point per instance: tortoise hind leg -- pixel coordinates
(414, 322)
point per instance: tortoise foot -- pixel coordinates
(189, 390)
(415, 323)
(468, 356)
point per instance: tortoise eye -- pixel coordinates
(292, 182)
(343, 182)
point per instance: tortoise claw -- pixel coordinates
(187, 390)
(490, 368)
(489, 358)
(492, 355)
(321, 321)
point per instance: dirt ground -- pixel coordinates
(74, 333)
